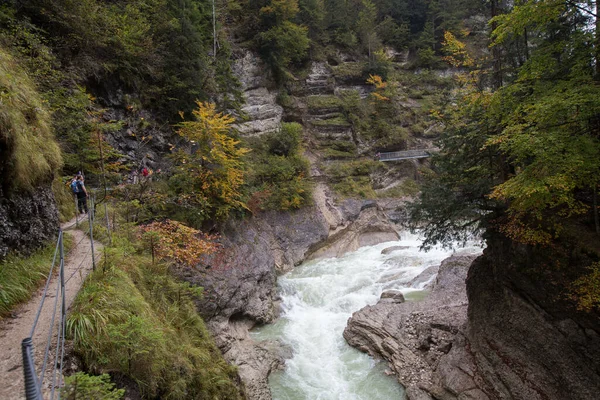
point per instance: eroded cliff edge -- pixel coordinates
(240, 288)
(519, 337)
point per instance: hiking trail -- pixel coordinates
(15, 328)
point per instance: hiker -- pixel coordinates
(81, 195)
(377, 156)
(73, 185)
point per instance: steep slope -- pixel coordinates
(29, 156)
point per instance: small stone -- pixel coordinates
(395, 295)
(391, 249)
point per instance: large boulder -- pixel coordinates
(422, 340)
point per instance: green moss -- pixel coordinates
(20, 276)
(336, 121)
(83, 386)
(408, 187)
(355, 187)
(363, 167)
(30, 153)
(323, 101)
(64, 199)
(333, 154)
(349, 70)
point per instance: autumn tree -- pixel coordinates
(208, 176)
(523, 157)
(173, 241)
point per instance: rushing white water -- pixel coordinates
(318, 298)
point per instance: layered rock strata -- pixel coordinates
(422, 340)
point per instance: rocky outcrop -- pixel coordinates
(27, 220)
(423, 340)
(261, 113)
(522, 337)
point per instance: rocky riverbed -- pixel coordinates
(423, 341)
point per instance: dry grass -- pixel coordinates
(30, 153)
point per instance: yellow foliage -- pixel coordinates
(586, 289)
(377, 81)
(458, 55)
(170, 240)
(214, 172)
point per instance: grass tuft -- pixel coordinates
(30, 153)
(135, 318)
(20, 276)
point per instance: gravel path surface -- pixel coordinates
(78, 263)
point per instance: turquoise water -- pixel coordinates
(318, 297)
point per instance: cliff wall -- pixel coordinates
(520, 336)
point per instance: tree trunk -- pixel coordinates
(596, 217)
(496, 53)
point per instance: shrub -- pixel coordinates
(278, 173)
(83, 386)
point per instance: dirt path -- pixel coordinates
(78, 263)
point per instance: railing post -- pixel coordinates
(76, 212)
(91, 221)
(62, 272)
(107, 223)
(32, 388)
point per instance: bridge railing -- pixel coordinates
(405, 155)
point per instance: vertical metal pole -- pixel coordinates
(32, 388)
(91, 221)
(107, 223)
(76, 212)
(61, 236)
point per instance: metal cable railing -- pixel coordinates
(55, 341)
(404, 155)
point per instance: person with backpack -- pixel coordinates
(81, 194)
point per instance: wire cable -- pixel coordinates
(37, 315)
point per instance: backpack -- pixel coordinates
(74, 187)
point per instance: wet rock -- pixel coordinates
(391, 249)
(425, 280)
(419, 338)
(393, 296)
(240, 285)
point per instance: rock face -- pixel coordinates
(422, 340)
(27, 220)
(240, 288)
(261, 110)
(528, 341)
(520, 339)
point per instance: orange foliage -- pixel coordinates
(171, 240)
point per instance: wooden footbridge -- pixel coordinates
(405, 155)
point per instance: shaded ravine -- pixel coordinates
(318, 297)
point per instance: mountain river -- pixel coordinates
(318, 297)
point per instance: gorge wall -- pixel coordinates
(27, 219)
(519, 337)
